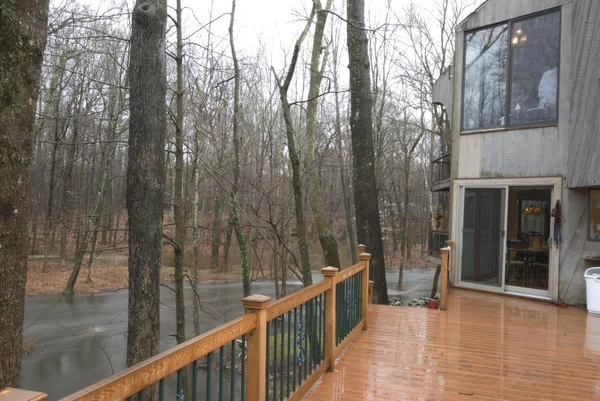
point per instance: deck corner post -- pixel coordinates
(450, 245)
(15, 394)
(444, 279)
(365, 258)
(256, 362)
(329, 274)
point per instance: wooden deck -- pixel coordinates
(485, 347)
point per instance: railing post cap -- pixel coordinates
(371, 282)
(449, 242)
(444, 250)
(364, 256)
(10, 393)
(361, 248)
(329, 271)
(256, 301)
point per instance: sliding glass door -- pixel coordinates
(483, 229)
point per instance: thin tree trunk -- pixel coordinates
(326, 237)
(23, 38)
(216, 231)
(237, 225)
(294, 156)
(146, 178)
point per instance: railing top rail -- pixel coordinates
(351, 271)
(297, 298)
(138, 377)
(441, 232)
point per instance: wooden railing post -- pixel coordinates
(444, 279)
(15, 394)
(329, 274)
(361, 248)
(364, 258)
(450, 244)
(256, 361)
(371, 284)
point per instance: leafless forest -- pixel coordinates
(231, 148)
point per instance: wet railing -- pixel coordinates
(437, 241)
(277, 351)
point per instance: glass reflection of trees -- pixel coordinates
(533, 58)
(486, 55)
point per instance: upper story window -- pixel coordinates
(511, 73)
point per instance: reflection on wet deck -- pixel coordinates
(485, 347)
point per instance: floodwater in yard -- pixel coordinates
(82, 339)
(105, 258)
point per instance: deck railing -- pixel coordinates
(445, 273)
(277, 351)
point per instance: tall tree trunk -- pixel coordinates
(368, 226)
(22, 42)
(343, 177)
(195, 212)
(235, 219)
(295, 157)
(146, 178)
(326, 237)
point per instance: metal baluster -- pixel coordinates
(232, 384)
(243, 362)
(307, 340)
(282, 356)
(267, 363)
(221, 358)
(208, 374)
(289, 350)
(179, 396)
(140, 395)
(195, 380)
(274, 359)
(295, 347)
(161, 390)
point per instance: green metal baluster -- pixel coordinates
(338, 313)
(274, 359)
(323, 327)
(161, 390)
(195, 380)
(208, 374)
(282, 356)
(140, 395)
(308, 340)
(179, 390)
(295, 348)
(243, 362)
(221, 375)
(267, 363)
(232, 384)
(289, 350)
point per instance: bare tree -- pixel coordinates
(368, 226)
(146, 177)
(22, 42)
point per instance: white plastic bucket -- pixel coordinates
(592, 281)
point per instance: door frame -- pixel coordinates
(458, 185)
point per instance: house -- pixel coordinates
(518, 173)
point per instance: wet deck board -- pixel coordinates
(485, 347)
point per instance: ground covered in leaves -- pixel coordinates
(104, 278)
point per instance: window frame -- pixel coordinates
(509, 76)
(589, 215)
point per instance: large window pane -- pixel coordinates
(486, 52)
(534, 43)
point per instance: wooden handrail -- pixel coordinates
(350, 271)
(144, 374)
(291, 301)
(254, 324)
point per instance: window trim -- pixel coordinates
(509, 76)
(589, 216)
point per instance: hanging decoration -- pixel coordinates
(556, 213)
(437, 217)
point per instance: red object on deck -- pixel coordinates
(432, 304)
